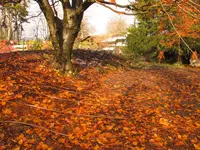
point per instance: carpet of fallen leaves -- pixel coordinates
(105, 106)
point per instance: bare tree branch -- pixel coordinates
(34, 16)
(3, 2)
(130, 6)
(66, 4)
(54, 7)
(187, 12)
(170, 19)
(194, 3)
(198, 10)
(86, 4)
(119, 12)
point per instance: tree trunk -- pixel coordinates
(67, 52)
(71, 27)
(179, 60)
(3, 23)
(10, 33)
(64, 32)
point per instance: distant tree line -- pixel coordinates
(11, 18)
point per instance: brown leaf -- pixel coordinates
(1, 135)
(2, 147)
(101, 139)
(179, 143)
(67, 145)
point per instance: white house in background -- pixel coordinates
(114, 43)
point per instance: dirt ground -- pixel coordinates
(106, 105)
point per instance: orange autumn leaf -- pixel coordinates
(16, 148)
(20, 142)
(61, 140)
(67, 145)
(108, 135)
(3, 103)
(96, 147)
(179, 143)
(28, 131)
(7, 111)
(164, 122)
(102, 139)
(197, 146)
(135, 143)
(113, 1)
(44, 147)
(109, 127)
(2, 147)
(2, 136)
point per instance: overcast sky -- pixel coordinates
(97, 15)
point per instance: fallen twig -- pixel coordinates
(75, 114)
(35, 126)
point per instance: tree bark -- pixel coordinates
(69, 38)
(71, 27)
(3, 23)
(10, 18)
(179, 59)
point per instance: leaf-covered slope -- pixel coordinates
(103, 107)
